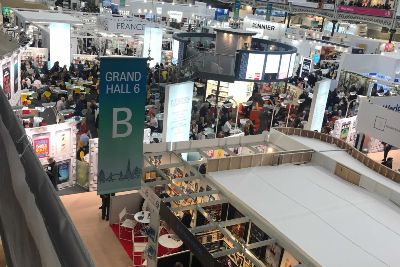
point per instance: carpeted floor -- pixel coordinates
(394, 153)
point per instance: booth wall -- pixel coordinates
(130, 201)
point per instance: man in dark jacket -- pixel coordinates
(52, 172)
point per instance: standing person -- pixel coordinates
(227, 127)
(105, 206)
(52, 172)
(80, 106)
(386, 149)
(61, 104)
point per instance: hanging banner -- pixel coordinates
(122, 101)
(178, 111)
(268, 12)
(6, 80)
(236, 9)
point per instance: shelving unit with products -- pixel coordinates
(212, 87)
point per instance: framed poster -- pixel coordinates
(63, 142)
(41, 145)
(63, 171)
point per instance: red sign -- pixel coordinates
(41, 147)
(366, 11)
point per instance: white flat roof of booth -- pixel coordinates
(47, 16)
(334, 222)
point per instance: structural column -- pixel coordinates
(391, 34)
(334, 22)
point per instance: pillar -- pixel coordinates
(334, 22)
(391, 34)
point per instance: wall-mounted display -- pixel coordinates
(6, 80)
(284, 66)
(41, 145)
(272, 67)
(254, 68)
(63, 142)
(63, 171)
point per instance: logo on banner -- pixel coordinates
(41, 147)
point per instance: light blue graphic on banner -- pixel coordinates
(121, 123)
(236, 9)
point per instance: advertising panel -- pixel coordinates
(221, 14)
(82, 173)
(345, 129)
(153, 45)
(175, 51)
(291, 66)
(122, 101)
(41, 146)
(60, 39)
(63, 142)
(272, 67)
(318, 105)
(305, 67)
(366, 11)
(379, 122)
(284, 66)
(178, 111)
(7, 80)
(254, 68)
(63, 171)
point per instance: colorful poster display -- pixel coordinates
(7, 80)
(345, 129)
(122, 101)
(377, 12)
(41, 146)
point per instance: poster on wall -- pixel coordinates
(288, 260)
(345, 129)
(7, 80)
(41, 145)
(254, 68)
(178, 110)
(122, 100)
(63, 171)
(63, 142)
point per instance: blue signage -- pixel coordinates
(221, 14)
(122, 102)
(236, 9)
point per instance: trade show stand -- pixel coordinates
(130, 200)
(59, 142)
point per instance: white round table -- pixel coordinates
(143, 217)
(170, 241)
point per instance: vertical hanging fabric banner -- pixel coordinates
(268, 12)
(121, 124)
(236, 9)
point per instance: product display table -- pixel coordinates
(143, 217)
(170, 241)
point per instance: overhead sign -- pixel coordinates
(389, 102)
(122, 101)
(178, 111)
(318, 105)
(379, 122)
(271, 29)
(123, 25)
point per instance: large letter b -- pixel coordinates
(126, 122)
